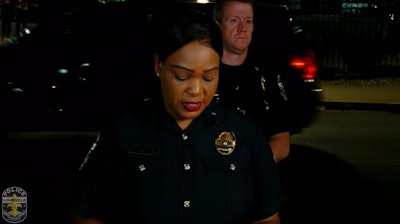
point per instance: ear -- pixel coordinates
(157, 64)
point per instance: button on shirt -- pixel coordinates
(145, 169)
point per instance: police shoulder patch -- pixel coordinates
(14, 204)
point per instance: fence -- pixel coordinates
(351, 38)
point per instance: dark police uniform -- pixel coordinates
(145, 169)
(252, 90)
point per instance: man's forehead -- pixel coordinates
(235, 7)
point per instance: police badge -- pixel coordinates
(225, 143)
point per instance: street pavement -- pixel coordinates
(333, 187)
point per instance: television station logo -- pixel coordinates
(14, 204)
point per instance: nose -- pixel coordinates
(195, 87)
(242, 26)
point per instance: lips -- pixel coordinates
(192, 106)
(242, 37)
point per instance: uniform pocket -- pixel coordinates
(145, 180)
(227, 181)
(147, 168)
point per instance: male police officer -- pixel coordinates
(244, 83)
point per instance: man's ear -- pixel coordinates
(157, 64)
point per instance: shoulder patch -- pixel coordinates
(281, 87)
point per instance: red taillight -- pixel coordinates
(310, 72)
(298, 63)
(306, 63)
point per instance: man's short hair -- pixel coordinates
(218, 7)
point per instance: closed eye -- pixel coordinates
(211, 74)
(181, 77)
(209, 78)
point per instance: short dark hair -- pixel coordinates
(177, 26)
(218, 7)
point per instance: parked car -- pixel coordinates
(72, 72)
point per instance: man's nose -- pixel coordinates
(242, 26)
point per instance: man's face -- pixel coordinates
(236, 26)
(189, 79)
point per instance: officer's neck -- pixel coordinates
(234, 58)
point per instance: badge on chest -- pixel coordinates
(225, 143)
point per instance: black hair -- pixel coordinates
(177, 26)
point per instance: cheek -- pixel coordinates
(211, 88)
(227, 31)
(251, 29)
(232, 30)
(171, 90)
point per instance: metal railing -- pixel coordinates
(352, 37)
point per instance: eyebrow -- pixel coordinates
(191, 70)
(247, 17)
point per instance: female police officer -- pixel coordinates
(179, 157)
